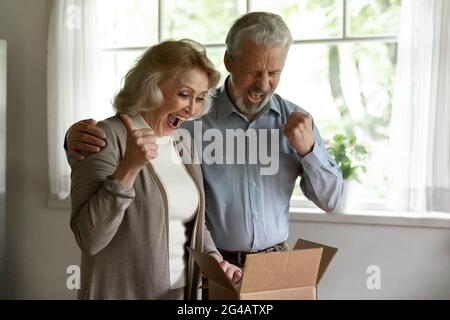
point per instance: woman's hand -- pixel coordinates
(234, 273)
(141, 148)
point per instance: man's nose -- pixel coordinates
(264, 83)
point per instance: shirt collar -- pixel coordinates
(226, 107)
(139, 122)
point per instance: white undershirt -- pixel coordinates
(183, 200)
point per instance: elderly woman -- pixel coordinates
(137, 203)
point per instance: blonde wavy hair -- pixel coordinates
(141, 91)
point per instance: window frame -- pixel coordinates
(248, 8)
(297, 202)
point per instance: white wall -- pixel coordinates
(414, 262)
(39, 243)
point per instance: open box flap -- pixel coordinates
(211, 268)
(281, 270)
(327, 256)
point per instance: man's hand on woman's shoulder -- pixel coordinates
(85, 136)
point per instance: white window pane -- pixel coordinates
(205, 21)
(130, 23)
(308, 19)
(371, 18)
(304, 81)
(115, 66)
(363, 89)
(215, 54)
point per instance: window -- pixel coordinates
(340, 68)
(129, 27)
(346, 75)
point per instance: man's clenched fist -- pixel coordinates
(299, 131)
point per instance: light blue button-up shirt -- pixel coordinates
(247, 208)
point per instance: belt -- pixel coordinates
(239, 256)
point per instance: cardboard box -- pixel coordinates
(291, 275)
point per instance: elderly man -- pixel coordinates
(247, 211)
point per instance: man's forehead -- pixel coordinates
(255, 55)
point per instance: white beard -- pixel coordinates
(252, 109)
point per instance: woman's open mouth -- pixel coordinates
(174, 121)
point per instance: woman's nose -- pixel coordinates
(192, 109)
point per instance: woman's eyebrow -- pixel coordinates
(192, 89)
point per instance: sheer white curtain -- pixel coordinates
(73, 70)
(420, 127)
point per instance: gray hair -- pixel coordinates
(261, 27)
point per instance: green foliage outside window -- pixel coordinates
(350, 156)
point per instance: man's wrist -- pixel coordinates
(308, 152)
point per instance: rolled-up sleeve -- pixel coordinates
(321, 179)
